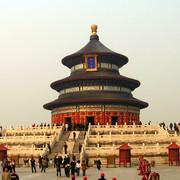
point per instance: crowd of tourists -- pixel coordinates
(172, 126)
(64, 165)
(8, 169)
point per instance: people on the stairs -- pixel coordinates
(74, 136)
(49, 148)
(66, 126)
(80, 147)
(65, 148)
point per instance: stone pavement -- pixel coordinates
(166, 173)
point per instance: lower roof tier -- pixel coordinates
(99, 79)
(96, 97)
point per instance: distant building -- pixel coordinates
(95, 92)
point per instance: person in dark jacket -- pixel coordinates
(33, 165)
(55, 161)
(73, 167)
(58, 168)
(14, 176)
(65, 148)
(67, 170)
(98, 164)
(40, 161)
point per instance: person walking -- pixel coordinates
(98, 164)
(73, 166)
(55, 161)
(6, 175)
(84, 168)
(80, 147)
(44, 165)
(67, 159)
(78, 166)
(13, 165)
(47, 160)
(49, 147)
(58, 168)
(40, 161)
(74, 136)
(67, 170)
(66, 126)
(102, 177)
(51, 163)
(65, 148)
(33, 165)
(14, 176)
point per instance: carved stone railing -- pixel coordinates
(32, 130)
(123, 128)
(26, 139)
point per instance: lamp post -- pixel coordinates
(154, 176)
(147, 170)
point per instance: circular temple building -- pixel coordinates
(95, 92)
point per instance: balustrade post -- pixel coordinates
(44, 136)
(110, 137)
(107, 126)
(143, 147)
(98, 149)
(114, 149)
(157, 147)
(98, 126)
(116, 127)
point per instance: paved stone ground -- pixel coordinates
(166, 173)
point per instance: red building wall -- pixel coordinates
(99, 117)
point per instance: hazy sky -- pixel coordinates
(36, 34)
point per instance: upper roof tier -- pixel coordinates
(94, 47)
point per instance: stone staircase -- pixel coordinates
(59, 145)
(73, 146)
(80, 139)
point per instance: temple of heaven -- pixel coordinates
(95, 92)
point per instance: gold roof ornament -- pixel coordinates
(94, 29)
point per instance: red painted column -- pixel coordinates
(77, 116)
(103, 118)
(125, 117)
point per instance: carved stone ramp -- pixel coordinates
(59, 145)
(80, 139)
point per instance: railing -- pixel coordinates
(30, 130)
(125, 127)
(25, 139)
(153, 139)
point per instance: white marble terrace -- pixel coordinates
(31, 141)
(148, 140)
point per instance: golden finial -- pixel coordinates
(94, 29)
